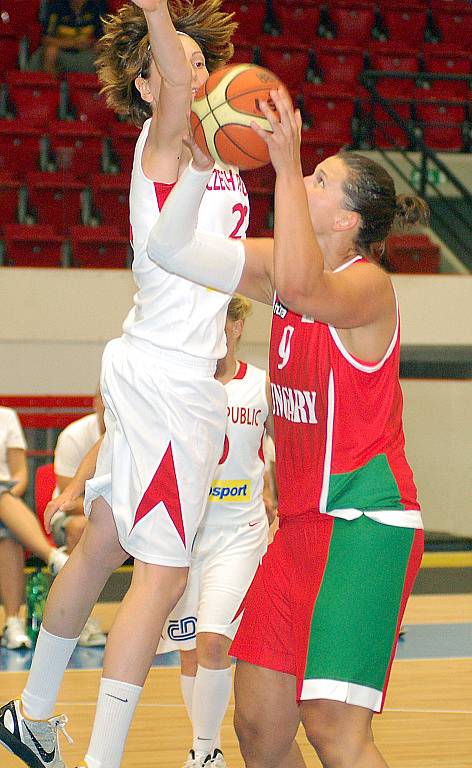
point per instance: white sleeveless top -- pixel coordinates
(170, 312)
(236, 491)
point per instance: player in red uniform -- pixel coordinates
(321, 619)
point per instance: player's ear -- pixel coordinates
(144, 89)
(345, 220)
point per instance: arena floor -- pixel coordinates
(427, 721)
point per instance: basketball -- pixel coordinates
(223, 110)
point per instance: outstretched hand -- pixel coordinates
(286, 123)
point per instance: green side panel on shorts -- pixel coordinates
(371, 487)
(355, 616)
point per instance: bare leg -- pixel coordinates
(12, 578)
(153, 593)
(341, 734)
(76, 589)
(74, 530)
(212, 650)
(188, 663)
(294, 758)
(266, 717)
(24, 525)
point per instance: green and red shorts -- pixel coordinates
(326, 605)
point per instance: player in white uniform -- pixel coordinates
(229, 545)
(165, 412)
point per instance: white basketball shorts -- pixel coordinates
(224, 561)
(165, 417)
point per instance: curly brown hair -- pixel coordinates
(124, 52)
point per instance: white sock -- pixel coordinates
(186, 685)
(49, 663)
(211, 694)
(116, 704)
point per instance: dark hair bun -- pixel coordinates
(410, 209)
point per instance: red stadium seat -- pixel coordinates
(299, 20)
(406, 24)
(44, 487)
(353, 21)
(8, 199)
(396, 87)
(454, 25)
(100, 247)
(111, 199)
(34, 95)
(331, 115)
(123, 140)
(340, 66)
(32, 246)
(19, 147)
(88, 103)
(8, 49)
(413, 254)
(261, 209)
(55, 198)
(250, 15)
(259, 178)
(446, 61)
(21, 11)
(442, 125)
(383, 57)
(77, 147)
(290, 64)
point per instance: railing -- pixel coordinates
(448, 220)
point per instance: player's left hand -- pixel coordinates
(286, 123)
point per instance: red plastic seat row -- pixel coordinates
(413, 254)
(40, 246)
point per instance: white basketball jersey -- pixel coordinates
(236, 491)
(169, 311)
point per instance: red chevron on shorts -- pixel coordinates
(163, 488)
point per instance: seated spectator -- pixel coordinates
(73, 444)
(71, 31)
(19, 529)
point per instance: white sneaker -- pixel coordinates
(92, 635)
(57, 560)
(218, 759)
(196, 759)
(34, 742)
(14, 635)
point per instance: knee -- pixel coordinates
(337, 741)
(74, 530)
(212, 650)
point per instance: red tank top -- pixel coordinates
(340, 445)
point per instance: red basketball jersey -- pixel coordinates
(340, 446)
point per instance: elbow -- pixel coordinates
(158, 250)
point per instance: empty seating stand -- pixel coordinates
(34, 96)
(19, 147)
(100, 247)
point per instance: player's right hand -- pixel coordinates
(65, 502)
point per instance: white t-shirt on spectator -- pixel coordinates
(11, 436)
(73, 443)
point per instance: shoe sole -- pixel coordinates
(16, 747)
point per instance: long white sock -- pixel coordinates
(187, 683)
(49, 663)
(116, 704)
(211, 694)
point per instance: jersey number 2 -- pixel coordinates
(241, 210)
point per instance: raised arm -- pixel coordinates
(163, 150)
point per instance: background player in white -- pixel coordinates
(165, 413)
(229, 545)
(19, 530)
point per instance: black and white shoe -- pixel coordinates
(218, 759)
(33, 741)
